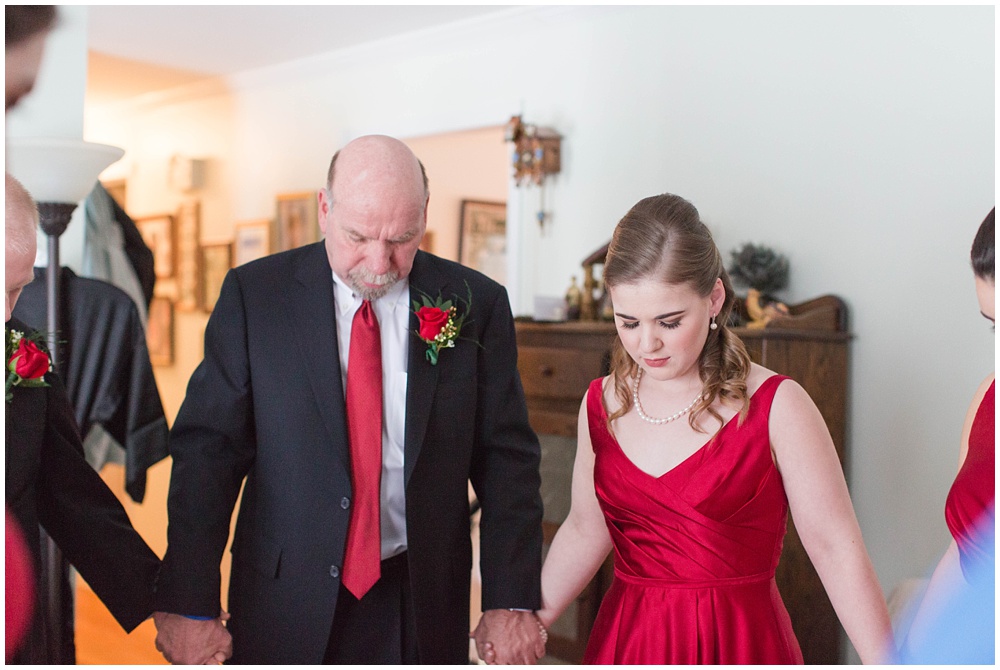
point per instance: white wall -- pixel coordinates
(859, 141)
(54, 108)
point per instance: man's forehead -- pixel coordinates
(370, 229)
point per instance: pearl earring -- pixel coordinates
(713, 325)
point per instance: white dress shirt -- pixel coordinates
(393, 313)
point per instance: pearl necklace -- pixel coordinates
(649, 419)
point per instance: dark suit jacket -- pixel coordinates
(48, 482)
(106, 366)
(267, 404)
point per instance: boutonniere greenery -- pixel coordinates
(440, 322)
(27, 361)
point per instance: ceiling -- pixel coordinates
(137, 49)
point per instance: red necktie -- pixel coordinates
(364, 430)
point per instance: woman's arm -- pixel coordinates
(582, 542)
(578, 549)
(825, 521)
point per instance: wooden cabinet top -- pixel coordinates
(530, 330)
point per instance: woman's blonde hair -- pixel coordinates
(662, 238)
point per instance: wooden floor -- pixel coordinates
(101, 641)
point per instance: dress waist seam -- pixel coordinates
(695, 584)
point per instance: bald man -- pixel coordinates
(315, 579)
(49, 482)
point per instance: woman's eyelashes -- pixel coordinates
(670, 325)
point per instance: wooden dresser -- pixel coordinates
(557, 361)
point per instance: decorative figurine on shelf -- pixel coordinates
(573, 298)
(763, 271)
(589, 308)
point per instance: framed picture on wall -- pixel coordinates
(427, 242)
(158, 234)
(216, 261)
(189, 269)
(160, 332)
(253, 241)
(296, 220)
(482, 238)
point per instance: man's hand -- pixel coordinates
(506, 638)
(187, 641)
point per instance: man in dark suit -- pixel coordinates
(278, 402)
(49, 482)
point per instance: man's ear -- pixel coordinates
(323, 206)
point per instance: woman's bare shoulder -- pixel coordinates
(758, 375)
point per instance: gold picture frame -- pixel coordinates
(427, 242)
(253, 241)
(160, 332)
(296, 222)
(158, 233)
(217, 259)
(189, 267)
(482, 237)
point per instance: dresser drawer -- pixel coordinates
(558, 373)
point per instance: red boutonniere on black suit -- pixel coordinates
(27, 363)
(440, 322)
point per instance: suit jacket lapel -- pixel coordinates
(311, 304)
(422, 377)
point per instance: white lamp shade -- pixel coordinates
(58, 169)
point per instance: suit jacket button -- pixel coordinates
(345, 503)
(334, 571)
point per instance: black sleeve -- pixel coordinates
(505, 472)
(87, 521)
(212, 446)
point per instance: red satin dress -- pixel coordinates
(970, 501)
(695, 550)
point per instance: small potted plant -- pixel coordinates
(763, 271)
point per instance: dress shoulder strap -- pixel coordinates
(763, 397)
(596, 416)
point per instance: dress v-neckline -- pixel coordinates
(696, 451)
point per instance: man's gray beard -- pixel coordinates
(358, 278)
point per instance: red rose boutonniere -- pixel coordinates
(26, 362)
(440, 323)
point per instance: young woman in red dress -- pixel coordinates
(689, 459)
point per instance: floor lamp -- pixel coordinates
(58, 173)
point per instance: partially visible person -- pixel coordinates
(47, 480)
(689, 459)
(25, 30)
(969, 510)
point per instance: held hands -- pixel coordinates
(509, 638)
(187, 641)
